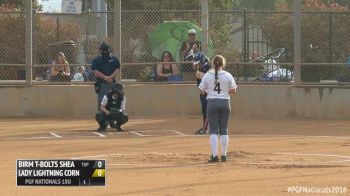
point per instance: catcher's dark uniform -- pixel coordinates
(203, 66)
(114, 102)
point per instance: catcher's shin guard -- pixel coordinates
(101, 119)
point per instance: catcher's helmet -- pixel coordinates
(118, 88)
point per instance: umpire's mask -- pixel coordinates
(105, 50)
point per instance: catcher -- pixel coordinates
(112, 109)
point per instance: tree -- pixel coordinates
(257, 4)
(140, 17)
(12, 4)
(12, 38)
(340, 2)
(324, 37)
(19, 4)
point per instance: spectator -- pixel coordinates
(61, 71)
(166, 70)
(106, 68)
(186, 51)
(79, 74)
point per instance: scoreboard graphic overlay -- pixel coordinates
(61, 172)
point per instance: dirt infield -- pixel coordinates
(162, 156)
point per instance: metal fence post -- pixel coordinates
(57, 29)
(117, 31)
(29, 41)
(205, 25)
(297, 41)
(330, 38)
(245, 44)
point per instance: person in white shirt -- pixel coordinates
(219, 85)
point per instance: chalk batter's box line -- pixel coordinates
(54, 135)
(57, 134)
(140, 133)
(94, 134)
(195, 135)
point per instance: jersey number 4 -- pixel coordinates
(217, 87)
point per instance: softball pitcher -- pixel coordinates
(218, 85)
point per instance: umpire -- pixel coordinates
(112, 109)
(106, 68)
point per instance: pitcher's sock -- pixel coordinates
(214, 144)
(224, 143)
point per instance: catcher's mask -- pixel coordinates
(117, 88)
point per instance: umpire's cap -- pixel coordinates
(104, 46)
(192, 31)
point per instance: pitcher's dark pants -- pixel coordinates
(218, 115)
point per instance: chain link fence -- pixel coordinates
(77, 36)
(12, 35)
(139, 20)
(252, 39)
(325, 47)
(255, 36)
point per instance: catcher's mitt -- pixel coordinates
(120, 117)
(115, 115)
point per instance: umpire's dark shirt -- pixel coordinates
(105, 65)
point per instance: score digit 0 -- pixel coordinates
(99, 169)
(98, 173)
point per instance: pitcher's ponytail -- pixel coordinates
(218, 61)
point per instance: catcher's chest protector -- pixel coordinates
(113, 104)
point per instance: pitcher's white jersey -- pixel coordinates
(221, 89)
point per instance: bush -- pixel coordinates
(12, 39)
(324, 37)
